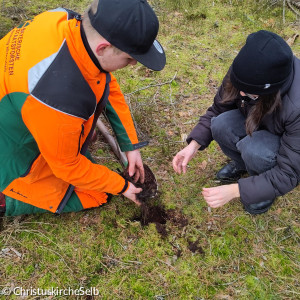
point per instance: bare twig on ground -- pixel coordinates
(291, 7)
(232, 282)
(61, 257)
(113, 143)
(283, 12)
(10, 252)
(290, 41)
(40, 234)
(128, 262)
(153, 85)
(166, 263)
(106, 267)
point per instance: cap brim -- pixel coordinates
(154, 58)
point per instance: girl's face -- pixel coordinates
(251, 96)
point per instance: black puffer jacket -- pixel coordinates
(286, 123)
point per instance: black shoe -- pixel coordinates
(258, 208)
(229, 173)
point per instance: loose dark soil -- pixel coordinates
(158, 215)
(195, 248)
(149, 186)
(161, 229)
(153, 214)
(150, 213)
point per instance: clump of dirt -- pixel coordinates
(149, 186)
(158, 215)
(153, 214)
(194, 247)
(161, 229)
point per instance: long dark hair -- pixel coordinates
(266, 104)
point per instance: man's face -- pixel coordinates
(113, 59)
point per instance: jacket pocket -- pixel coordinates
(70, 141)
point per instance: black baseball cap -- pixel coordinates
(132, 27)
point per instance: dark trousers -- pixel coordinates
(256, 153)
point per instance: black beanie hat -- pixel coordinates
(263, 65)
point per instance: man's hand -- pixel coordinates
(220, 195)
(131, 193)
(135, 165)
(183, 157)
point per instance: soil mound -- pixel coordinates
(149, 186)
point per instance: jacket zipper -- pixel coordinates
(81, 134)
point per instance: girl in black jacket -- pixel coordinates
(255, 118)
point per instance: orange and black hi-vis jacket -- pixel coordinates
(49, 91)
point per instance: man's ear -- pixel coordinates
(101, 48)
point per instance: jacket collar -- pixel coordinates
(89, 50)
(79, 51)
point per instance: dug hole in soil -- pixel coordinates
(151, 213)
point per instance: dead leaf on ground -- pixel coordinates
(183, 137)
(177, 14)
(203, 165)
(223, 297)
(10, 252)
(270, 22)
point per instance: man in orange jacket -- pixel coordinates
(56, 79)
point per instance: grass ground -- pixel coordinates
(220, 254)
